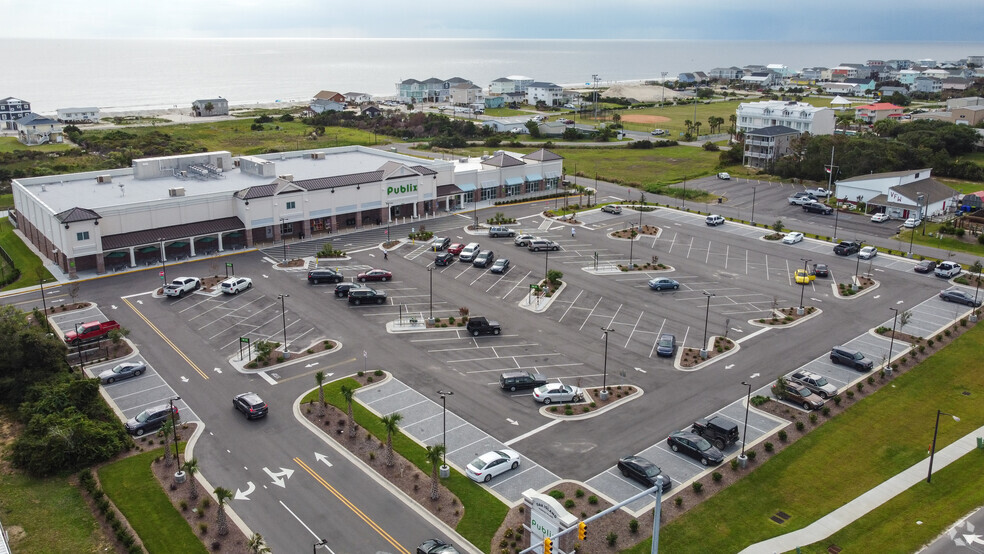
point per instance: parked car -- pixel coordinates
(821, 270)
(251, 405)
(435, 546)
(500, 265)
(724, 175)
(523, 240)
(912, 223)
(803, 277)
(542, 244)
(924, 266)
(444, 258)
(440, 243)
(666, 345)
(658, 132)
(660, 283)
(947, 269)
(960, 297)
(366, 295)
(818, 208)
(316, 276)
(182, 286)
(456, 248)
(612, 209)
(879, 217)
(490, 464)
(695, 446)
(815, 382)
(342, 289)
(720, 431)
(469, 252)
(124, 370)
(497, 231)
(90, 332)
(851, 357)
(375, 275)
(818, 192)
(643, 471)
(235, 285)
(713, 220)
(557, 392)
(846, 248)
(515, 380)
(483, 326)
(149, 420)
(483, 258)
(798, 394)
(868, 252)
(792, 238)
(801, 198)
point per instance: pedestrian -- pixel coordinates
(573, 232)
(385, 255)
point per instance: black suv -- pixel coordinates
(513, 380)
(342, 289)
(818, 208)
(366, 295)
(150, 419)
(846, 248)
(316, 276)
(853, 358)
(721, 432)
(482, 326)
(444, 258)
(250, 404)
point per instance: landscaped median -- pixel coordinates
(874, 440)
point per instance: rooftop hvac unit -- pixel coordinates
(317, 155)
(176, 191)
(104, 179)
(287, 177)
(235, 163)
(184, 173)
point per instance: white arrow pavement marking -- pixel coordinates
(971, 539)
(312, 365)
(244, 495)
(877, 296)
(139, 301)
(816, 300)
(900, 301)
(266, 276)
(512, 421)
(876, 269)
(322, 458)
(113, 306)
(729, 366)
(284, 472)
(737, 330)
(184, 379)
(754, 375)
(640, 369)
(217, 370)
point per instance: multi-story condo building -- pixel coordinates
(799, 116)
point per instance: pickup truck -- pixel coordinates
(846, 248)
(482, 326)
(92, 331)
(182, 285)
(802, 198)
(818, 208)
(818, 192)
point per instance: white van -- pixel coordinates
(469, 252)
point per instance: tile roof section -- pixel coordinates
(151, 236)
(502, 160)
(543, 155)
(447, 190)
(77, 214)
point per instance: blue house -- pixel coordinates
(495, 101)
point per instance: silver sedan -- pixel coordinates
(124, 370)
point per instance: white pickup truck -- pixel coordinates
(182, 285)
(818, 192)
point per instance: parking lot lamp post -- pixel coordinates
(444, 441)
(283, 237)
(891, 343)
(431, 271)
(631, 242)
(604, 378)
(752, 221)
(163, 262)
(744, 434)
(78, 349)
(283, 313)
(546, 262)
(322, 542)
(174, 426)
(805, 276)
(857, 266)
(707, 312)
(389, 217)
(977, 288)
(932, 449)
(44, 306)
(912, 233)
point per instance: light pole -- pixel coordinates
(891, 343)
(604, 378)
(78, 349)
(631, 242)
(857, 266)
(546, 260)
(431, 271)
(389, 217)
(932, 450)
(836, 213)
(684, 207)
(744, 434)
(283, 312)
(663, 86)
(283, 237)
(806, 275)
(322, 542)
(707, 312)
(44, 305)
(444, 441)
(753, 206)
(174, 427)
(163, 262)
(912, 234)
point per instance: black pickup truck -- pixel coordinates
(846, 248)
(719, 431)
(818, 208)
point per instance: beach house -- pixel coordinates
(210, 107)
(12, 109)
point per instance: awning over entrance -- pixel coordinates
(553, 175)
(466, 187)
(178, 244)
(492, 184)
(234, 235)
(512, 181)
(148, 249)
(206, 239)
(534, 177)
(173, 232)
(116, 254)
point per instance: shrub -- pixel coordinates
(782, 435)
(611, 538)
(716, 476)
(751, 455)
(837, 400)
(679, 501)
(203, 527)
(860, 386)
(799, 426)
(813, 418)
(850, 394)
(697, 486)
(634, 526)
(569, 503)
(871, 380)
(593, 500)
(378, 373)
(769, 447)
(558, 495)
(734, 464)
(826, 411)
(579, 493)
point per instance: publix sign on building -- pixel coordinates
(401, 189)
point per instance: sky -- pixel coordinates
(777, 20)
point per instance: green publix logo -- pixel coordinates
(402, 189)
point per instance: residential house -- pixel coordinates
(322, 105)
(812, 75)
(799, 116)
(761, 79)
(898, 192)
(866, 85)
(512, 83)
(725, 73)
(548, 93)
(936, 73)
(840, 88)
(878, 111)
(33, 129)
(956, 83)
(842, 72)
(686, 78)
(515, 97)
(977, 61)
(753, 68)
(331, 95)
(12, 109)
(428, 90)
(701, 77)
(860, 70)
(410, 91)
(358, 97)
(466, 94)
(908, 76)
(779, 69)
(210, 107)
(929, 85)
(763, 147)
(506, 126)
(371, 111)
(927, 62)
(889, 91)
(899, 65)
(495, 101)
(78, 115)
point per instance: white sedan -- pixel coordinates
(912, 223)
(557, 392)
(724, 175)
(490, 464)
(868, 252)
(792, 238)
(879, 217)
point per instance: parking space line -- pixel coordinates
(503, 357)
(683, 457)
(690, 248)
(628, 340)
(612, 321)
(499, 369)
(767, 267)
(532, 432)
(487, 436)
(581, 328)
(515, 474)
(141, 391)
(428, 439)
(707, 258)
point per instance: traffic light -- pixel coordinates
(547, 546)
(582, 531)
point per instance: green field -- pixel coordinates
(52, 514)
(506, 112)
(848, 455)
(10, 144)
(29, 264)
(677, 115)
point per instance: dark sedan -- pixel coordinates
(821, 270)
(444, 258)
(500, 266)
(375, 275)
(695, 446)
(342, 289)
(122, 371)
(643, 471)
(666, 346)
(925, 266)
(960, 297)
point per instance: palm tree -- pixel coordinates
(689, 125)
(391, 423)
(167, 428)
(320, 378)
(696, 130)
(434, 456)
(256, 544)
(348, 393)
(191, 468)
(734, 123)
(222, 496)
(617, 119)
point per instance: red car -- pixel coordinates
(375, 275)
(456, 248)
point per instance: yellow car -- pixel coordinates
(804, 277)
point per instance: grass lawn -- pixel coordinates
(6, 200)
(131, 485)
(23, 258)
(677, 115)
(845, 457)
(52, 513)
(10, 144)
(944, 242)
(965, 187)
(484, 513)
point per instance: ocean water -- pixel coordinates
(121, 74)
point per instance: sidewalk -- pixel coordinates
(857, 508)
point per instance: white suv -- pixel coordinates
(714, 220)
(469, 252)
(948, 270)
(235, 285)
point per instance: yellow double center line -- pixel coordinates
(352, 507)
(167, 340)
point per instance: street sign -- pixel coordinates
(161, 273)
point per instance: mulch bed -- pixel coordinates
(296, 262)
(632, 232)
(276, 359)
(691, 356)
(593, 401)
(786, 316)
